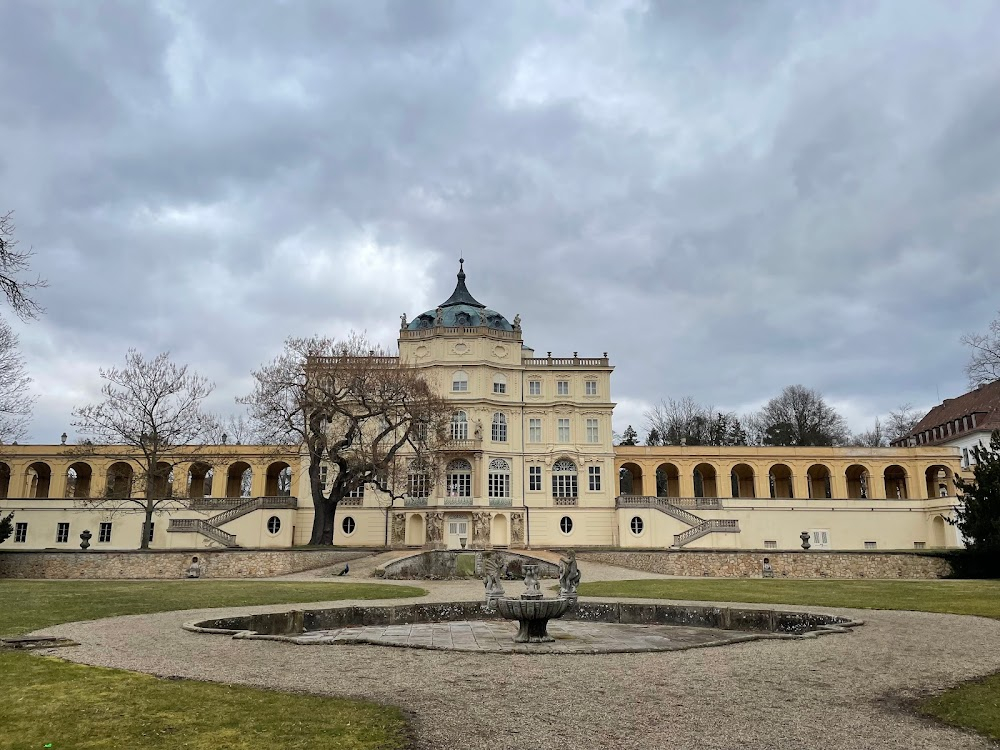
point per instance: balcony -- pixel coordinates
(573, 361)
(415, 502)
(501, 502)
(458, 502)
(564, 501)
(468, 445)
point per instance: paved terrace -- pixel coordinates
(850, 691)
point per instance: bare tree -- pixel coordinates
(984, 362)
(800, 416)
(902, 420)
(235, 429)
(13, 263)
(15, 400)
(150, 407)
(876, 437)
(361, 414)
(686, 422)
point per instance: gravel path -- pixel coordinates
(848, 691)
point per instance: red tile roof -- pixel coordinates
(984, 403)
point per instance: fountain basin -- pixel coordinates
(533, 615)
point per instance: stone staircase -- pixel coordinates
(237, 508)
(673, 507)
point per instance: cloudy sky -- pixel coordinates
(728, 197)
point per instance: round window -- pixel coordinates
(565, 524)
(636, 525)
(348, 525)
(273, 525)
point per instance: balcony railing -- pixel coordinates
(573, 361)
(501, 502)
(466, 445)
(687, 503)
(426, 333)
(564, 500)
(415, 502)
(458, 502)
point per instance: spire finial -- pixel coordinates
(460, 262)
(461, 269)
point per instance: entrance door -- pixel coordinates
(458, 532)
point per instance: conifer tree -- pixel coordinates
(978, 518)
(630, 436)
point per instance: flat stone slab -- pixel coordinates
(496, 637)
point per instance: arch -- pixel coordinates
(163, 480)
(118, 481)
(858, 482)
(498, 479)
(940, 481)
(79, 477)
(239, 480)
(741, 477)
(818, 481)
(939, 532)
(415, 529)
(630, 479)
(38, 480)
(705, 481)
(459, 381)
(499, 532)
(459, 426)
(4, 479)
(668, 480)
(278, 480)
(199, 480)
(499, 430)
(780, 479)
(895, 482)
(564, 480)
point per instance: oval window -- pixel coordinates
(273, 525)
(636, 525)
(565, 524)
(348, 525)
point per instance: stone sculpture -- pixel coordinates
(517, 528)
(402, 321)
(85, 536)
(517, 322)
(439, 317)
(481, 529)
(398, 528)
(194, 569)
(435, 527)
(569, 576)
(804, 536)
(531, 588)
(493, 572)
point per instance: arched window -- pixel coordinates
(459, 426)
(499, 384)
(564, 479)
(499, 478)
(499, 428)
(460, 382)
(417, 481)
(459, 480)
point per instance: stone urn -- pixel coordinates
(804, 536)
(533, 615)
(85, 537)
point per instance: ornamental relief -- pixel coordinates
(460, 348)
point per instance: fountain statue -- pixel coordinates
(569, 576)
(493, 569)
(532, 610)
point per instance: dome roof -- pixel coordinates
(461, 309)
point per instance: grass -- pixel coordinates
(973, 705)
(955, 597)
(49, 703)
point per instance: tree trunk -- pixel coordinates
(323, 519)
(146, 523)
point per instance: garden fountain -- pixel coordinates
(532, 610)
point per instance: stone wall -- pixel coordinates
(168, 564)
(813, 564)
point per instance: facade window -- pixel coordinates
(104, 532)
(566, 524)
(62, 532)
(460, 382)
(871, 545)
(459, 426)
(563, 425)
(592, 432)
(534, 387)
(358, 491)
(919, 545)
(499, 384)
(348, 525)
(770, 544)
(417, 482)
(152, 527)
(499, 478)
(965, 458)
(594, 473)
(534, 430)
(562, 387)
(21, 532)
(459, 479)
(273, 525)
(564, 479)
(636, 525)
(535, 478)
(591, 387)
(499, 433)
(323, 473)
(820, 538)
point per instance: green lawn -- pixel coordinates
(51, 703)
(974, 705)
(956, 597)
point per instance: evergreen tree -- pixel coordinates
(6, 527)
(630, 437)
(653, 438)
(978, 518)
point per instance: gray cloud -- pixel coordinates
(726, 197)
